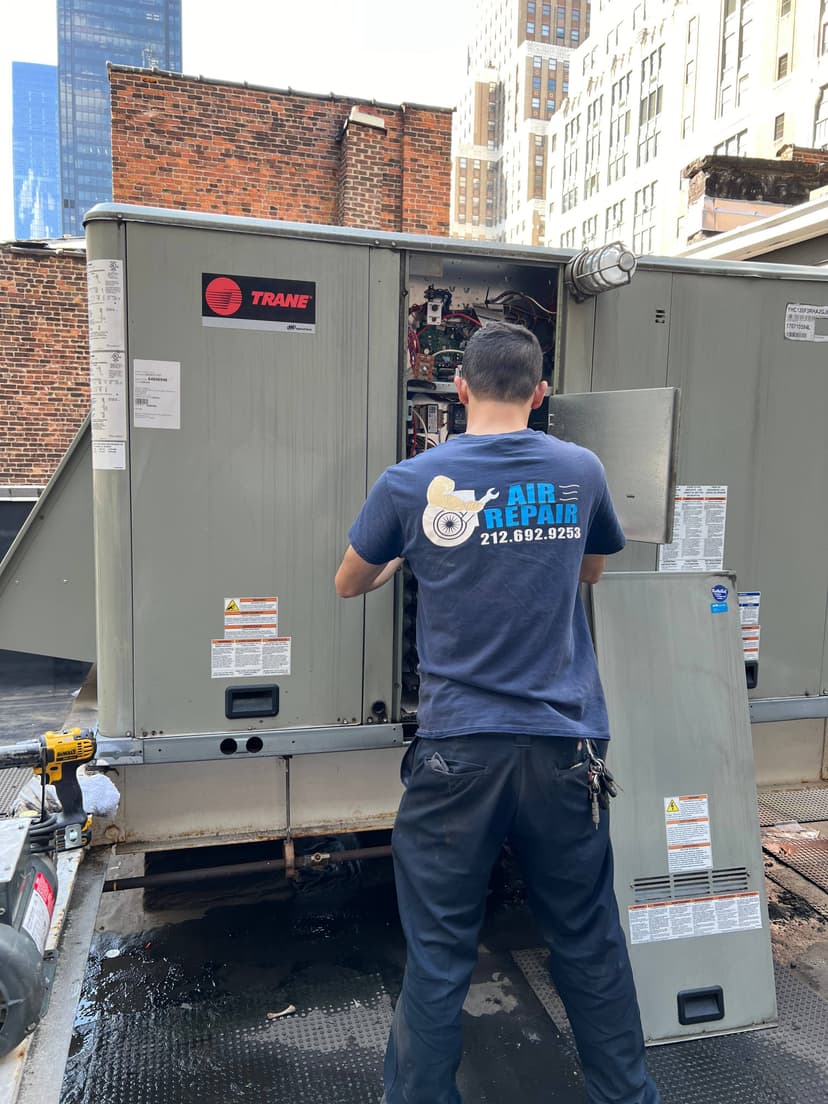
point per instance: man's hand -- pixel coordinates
(592, 568)
(356, 576)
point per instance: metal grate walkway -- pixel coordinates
(783, 1065)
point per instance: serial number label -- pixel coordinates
(518, 536)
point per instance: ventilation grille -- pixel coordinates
(698, 883)
(661, 316)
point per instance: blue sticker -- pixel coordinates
(718, 607)
(719, 592)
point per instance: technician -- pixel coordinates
(499, 527)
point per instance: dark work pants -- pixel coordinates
(465, 797)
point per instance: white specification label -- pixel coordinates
(699, 916)
(698, 530)
(108, 380)
(806, 322)
(157, 394)
(105, 295)
(250, 658)
(109, 455)
(749, 601)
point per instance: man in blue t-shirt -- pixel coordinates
(499, 526)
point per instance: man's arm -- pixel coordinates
(592, 568)
(356, 576)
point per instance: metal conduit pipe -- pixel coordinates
(265, 866)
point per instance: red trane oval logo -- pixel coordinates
(223, 295)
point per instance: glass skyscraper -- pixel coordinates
(146, 33)
(35, 154)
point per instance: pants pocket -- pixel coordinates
(407, 763)
(453, 767)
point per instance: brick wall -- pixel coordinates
(44, 362)
(179, 142)
(185, 143)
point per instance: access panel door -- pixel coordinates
(241, 503)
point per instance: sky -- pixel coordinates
(374, 49)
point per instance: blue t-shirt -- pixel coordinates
(494, 528)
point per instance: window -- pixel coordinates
(686, 126)
(530, 28)
(689, 72)
(778, 128)
(821, 120)
(650, 106)
(782, 67)
(647, 147)
(544, 30)
(614, 217)
(537, 63)
(785, 7)
(575, 35)
(734, 146)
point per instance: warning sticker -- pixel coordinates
(38, 915)
(250, 618)
(806, 322)
(250, 658)
(687, 825)
(251, 605)
(244, 626)
(685, 808)
(662, 920)
(750, 641)
(689, 856)
(698, 530)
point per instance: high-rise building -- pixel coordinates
(518, 70)
(91, 33)
(36, 163)
(665, 83)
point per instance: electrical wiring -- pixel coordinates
(425, 429)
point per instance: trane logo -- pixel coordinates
(223, 295)
(280, 299)
(258, 302)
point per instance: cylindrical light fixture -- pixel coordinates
(597, 270)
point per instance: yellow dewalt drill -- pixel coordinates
(57, 756)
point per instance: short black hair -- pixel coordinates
(503, 362)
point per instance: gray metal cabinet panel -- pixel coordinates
(631, 349)
(253, 495)
(113, 551)
(754, 412)
(680, 726)
(47, 577)
(385, 340)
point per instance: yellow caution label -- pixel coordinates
(672, 807)
(232, 606)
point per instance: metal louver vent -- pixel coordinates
(698, 883)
